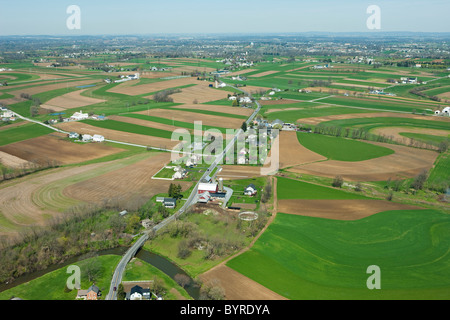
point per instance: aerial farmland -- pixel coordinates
(87, 163)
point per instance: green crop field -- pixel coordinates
(377, 122)
(440, 174)
(342, 149)
(311, 258)
(310, 112)
(25, 132)
(293, 189)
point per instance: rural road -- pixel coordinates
(120, 269)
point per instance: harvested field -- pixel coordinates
(231, 172)
(237, 73)
(292, 153)
(201, 93)
(287, 109)
(55, 86)
(69, 101)
(134, 180)
(11, 161)
(224, 109)
(395, 132)
(191, 69)
(404, 163)
(129, 87)
(121, 136)
(340, 209)
(16, 197)
(51, 148)
(208, 120)
(238, 286)
(262, 74)
(144, 123)
(317, 120)
(277, 102)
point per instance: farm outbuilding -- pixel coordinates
(208, 187)
(98, 138)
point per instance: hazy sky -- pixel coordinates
(31, 17)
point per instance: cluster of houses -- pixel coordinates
(409, 80)
(242, 100)
(133, 292)
(381, 92)
(123, 78)
(86, 137)
(324, 66)
(275, 124)
(444, 112)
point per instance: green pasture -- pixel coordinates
(305, 258)
(342, 149)
(294, 189)
(25, 132)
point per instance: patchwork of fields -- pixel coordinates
(321, 239)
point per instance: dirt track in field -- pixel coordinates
(340, 209)
(236, 285)
(134, 180)
(52, 148)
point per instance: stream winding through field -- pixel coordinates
(155, 260)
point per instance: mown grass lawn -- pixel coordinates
(312, 258)
(51, 286)
(342, 149)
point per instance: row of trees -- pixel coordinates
(164, 96)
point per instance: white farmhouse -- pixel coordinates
(77, 116)
(87, 138)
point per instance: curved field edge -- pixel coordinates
(342, 149)
(314, 258)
